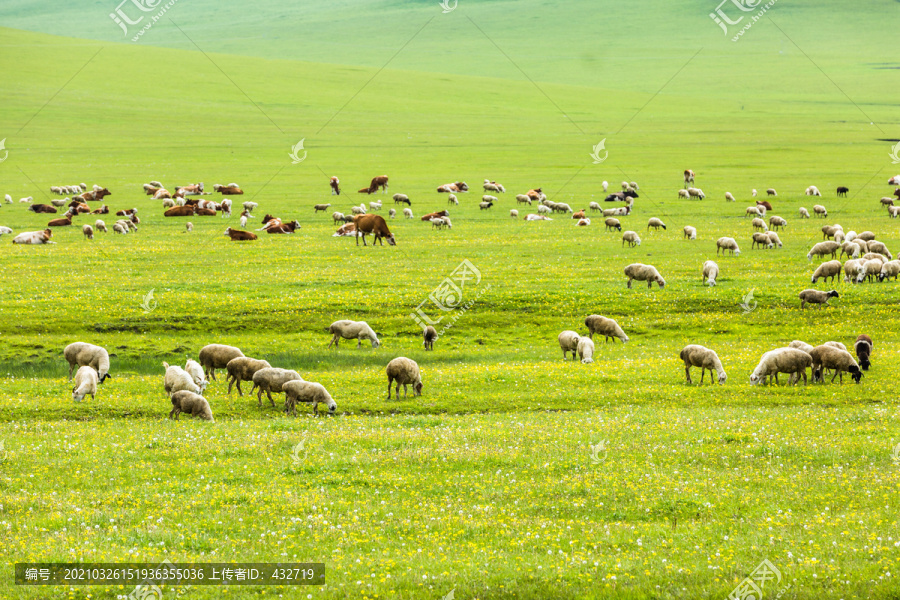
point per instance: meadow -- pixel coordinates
(515, 474)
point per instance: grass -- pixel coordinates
(484, 485)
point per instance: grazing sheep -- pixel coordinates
(752, 210)
(8, 199)
(430, 335)
(753, 192)
(889, 269)
(887, 201)
(408, 213)
(771, 192)
(119, 228)
(177, 379)
(250, 206)
(632, 238)
(191, 403)
(816, 297)
(726, 243)
(695, 355)
(604, 326)
(894, 211)
(605, 186)
(309, 392)
(851, 249)
(568, 342)
(270, 380)
(374, 206)
(485, 205)
(828, 231)
(524, 199)
(350, 330)
(823, 249)
(85, 383)
(642, 272)
(594, 206)
(759, 224)
(775, 222)
(851, 269)
(812, 191)
(863, 349)
(804, 214)
(392, 213)
(862, 245)
(99, 225)
(828, 269)
(773, 237)
(543, 209)
(585, 350)
(800, 345)
(869, 270)
(690, 232)
(514, 213)
(404, 371)
(820, 211)
(696, 193)
(710, 272)
(729, 197)
(401, 199)
(879, 248)
(612, 224)
(217, 356)
(655, 224)
(684, 194)
(197, 374)
(241, 369)
(88, 355)
(782, 360)
(835, 359)
(88, 231)
(761, 239)
(188, 227)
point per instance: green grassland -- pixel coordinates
(486, 484)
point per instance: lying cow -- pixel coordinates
(237, 236)
(34, 237)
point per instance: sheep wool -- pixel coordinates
(568, 342)
(782, 360)
(585, 349)
(270, 380)
(216, 356)
(82, 354)
(85, 383)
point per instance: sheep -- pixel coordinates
(683, 194)
(820, 211)
(120, 228)
(729, 197)
(752, 210)
(514, 214)
(828, 231)
(524, 199)
(632, 238)
(710, 272)
(761, 239)
(612, 223)
(695, 355)
(188, 227)
(889, 269)
(430, 335)
(812, 191)
(622, 211)
(178, 379)
(879, 248)
(216, 356)
(828, 269)
(775, 222)
(85, 383)
(862, 245)
(753, 192)
(850, 249)
(816, 297)
(309, 392)
(451, 199)
(851, 269)
(782, 360)
(774, 239)
(801, 345)
(99, 225)
(655, 224)
(408, 213)
(594, 206)
(863, 347)
(374, 206)
(191, 403)
(401, 199)
(828, 357)
(823, 249)
(585, 350)
(642, 272)
(839, 236)
(726, 243)
(696, 193)
(606, 327)
(869, 270)
(804, 214)
(392, 213)
(349, 330)
(485, 205)
(894, 211)
(249, 206)
(568, 342)
(197, 374)
(8, 199)
(690, 232)
(242, 368)
(404, 371)
(270, 380)
(88, 355)
(87, 231)
(771, 192)
(358, 210)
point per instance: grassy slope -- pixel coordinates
(742, 115)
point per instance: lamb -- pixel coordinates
(863, 349)
(726, 243)
(99, 225)
(392, 213)
(349, 330)
(642, 272)
(612, 223)
(690, 232)
(430, 336)
(8, 199)
(513, 213)
(828, 357)
(775, 222)
(710, 272)
(820, 211)
(88, 231)
(695, 355)
(88, 355)
(782, 360)
(585, 349)
(804, 214)
(270, 380)
(197, 374)
(823, 249)
(729, 197)
(759, 224)
(408, 213)
(241, 369)
(828, 269)
(606, 327)
(568, 342)
(879, 248)
(85, 383)
(191, 403)
(177, 379)
(655, 224)
(404, 371)
(217, 356)
(816, 297)
(761, 239)
(869, 270)
(889, 269)
(632, 238)
(309, 392)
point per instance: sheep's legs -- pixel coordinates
(390, 381)
(629, 283)
(272, 400)
(702, 373)
(687, 372)
(70, 371)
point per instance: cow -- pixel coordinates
(376, 225)
(335, 186)
(194, 189)
(95, 194)
(180, 211)
(284, 228)
(228, 190)
(63, 222)
(34, 237)
(378, 182)
(535, 195)
(431, 216)
(842, 191)
(205, 212)
(126, 213)
(621, 196)
(80, 209)
(765, 203)
(364, 190)
(449, 188)
(103, 210)
(688, 177)
(161, 193)
(237, 235)
(42, 208)
(347, 230)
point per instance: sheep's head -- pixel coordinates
(754, 378)
(391, 240)
(833, 294)
(104, 377)
(418, 387)
(710, 282)
(723, 377)
(855, 373)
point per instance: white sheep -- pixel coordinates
(889, 269)
(249, 206)
(375, 206)
(408, 213)
(655, 224)
(690, 232)
(684, 194)
(759, 224)
(595, 206)
(185, 401)
(613, 224)
(775, 222)
(782, 360)
(869, 270)
(392, 213)
(88, 355)
(726, 243)
(695, 355)
(309, 392)
(823, 249)
(87, 231)
(752, 210)
(543, 210)
(804, 214)
(523, 199)
(514, 213)
(753, 192)
(270, 380)
(216, 356)
(812, 191)
(831, 269)
(350, 330)
(774, 239)
(879, 248)
(404, 371)
(604, 326)
(605, 185)
(710, 272)
(8, 199)
(85, 383)
(729, 197)
(178, 379)
(642, 272)
(568, 342)
(585, 349)
(761, 240)
(820, 210)
(451, 199)
(816, 297)
(632, 238)
(197, 374)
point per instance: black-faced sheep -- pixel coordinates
(816, 297)
(828, 357)
(430, 335)
(88, 355)
(863, 349)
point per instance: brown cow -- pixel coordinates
(765, 203)
(237, 235)
(81, 209)
(63, 222)
(103, 210)
(126, 213)
(430, 216)
(204, 212)
(42, 208)
(284, 228)
(373, 224)
(364, 190)
(95, 195)
(535, 194)
(150, 190)
(180, 211)
(378, 182)
(228, 190)
(335, 186)
(579, 214)
(459, 186)
(194, 189)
